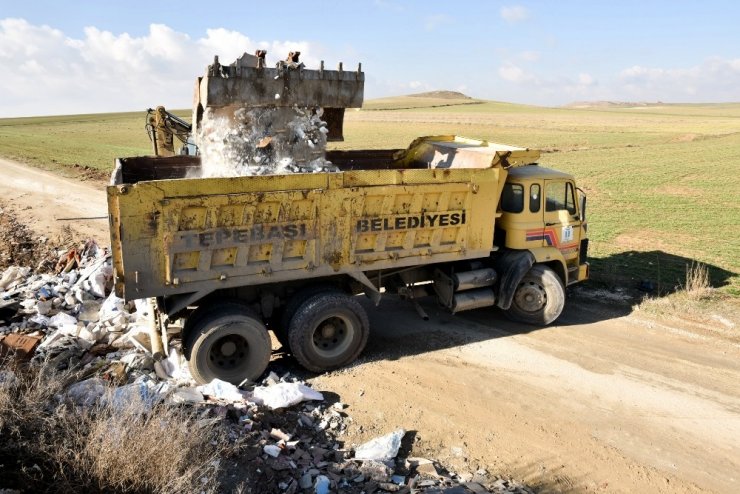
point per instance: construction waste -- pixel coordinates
(262, 141)
(70, 319)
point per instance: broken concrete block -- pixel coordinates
(321, 485)
(90, 311)
(279, 435)
(12, 275)
(306, 481)
(43, 307)
(221, 390)
(283, 395)
(186, 395)
(87, 392)
(272, 450)
(381, 448)
(62, 319)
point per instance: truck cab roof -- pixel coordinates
(528, 172)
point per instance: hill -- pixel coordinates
(441, 95)
(612, 104)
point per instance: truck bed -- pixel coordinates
(433, 202)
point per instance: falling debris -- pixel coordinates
(263, 141)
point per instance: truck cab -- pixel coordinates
(543, 212)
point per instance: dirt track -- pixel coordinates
(606, 400)
(42, 198)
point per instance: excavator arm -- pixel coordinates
(163, 127)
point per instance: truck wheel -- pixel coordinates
(294, 302)
(328, 330)
(227, 342)
(539, 298)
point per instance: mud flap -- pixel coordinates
(511, 267)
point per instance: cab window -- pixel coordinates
(535, 199)
(559, 196)
(512, 198)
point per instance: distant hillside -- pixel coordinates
(612, 104)
(431, 99)
(441, 95)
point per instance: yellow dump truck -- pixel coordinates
(472, 223)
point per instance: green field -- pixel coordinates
(663, 182)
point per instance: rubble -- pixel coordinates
(382, 448)
(284, 433)
(263, 141)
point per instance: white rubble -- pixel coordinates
(382, 448)
(221, 390)
(283, 395)
(263, 141)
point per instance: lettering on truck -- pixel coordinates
(424, 220)
(225, 237)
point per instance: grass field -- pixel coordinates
(663, 182)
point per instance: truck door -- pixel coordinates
(562, 220)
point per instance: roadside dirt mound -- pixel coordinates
(21, 247)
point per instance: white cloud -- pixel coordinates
(585, 79)
(46, 72)
(514, 13)
(514, 73)
(530, 56)
(432, 22)
(714, 80)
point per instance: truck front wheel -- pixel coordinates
(329, 330)
(227, 342)
(539, 298)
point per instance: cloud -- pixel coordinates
(514, 73)
(586, 79)
(530, 56)
(432, 22)
(514, 13)
(46, 72)
(716, 79)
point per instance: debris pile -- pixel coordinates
(285, 437)
(263, 141)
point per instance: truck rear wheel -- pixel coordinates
(539, 298)
(294, 302)
(227, 342)
(327, 331)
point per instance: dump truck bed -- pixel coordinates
(433, 202)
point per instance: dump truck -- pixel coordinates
(474, 224)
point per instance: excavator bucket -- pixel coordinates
(247, 83)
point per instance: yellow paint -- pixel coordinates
(182, 236)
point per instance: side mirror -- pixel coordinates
(583, 204)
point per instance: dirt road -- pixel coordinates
(42, 200)
(606, 400)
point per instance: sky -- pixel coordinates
(90, 56)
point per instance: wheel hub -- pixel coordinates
(332, 336)
(228, 353)
(328, 330)
(228, 348)
(530, 297)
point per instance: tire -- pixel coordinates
(329, 330)
(294, 302)
(540, 297)
(227, 341)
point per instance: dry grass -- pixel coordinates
(49, 445)
(696, 300)
(698, 286)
